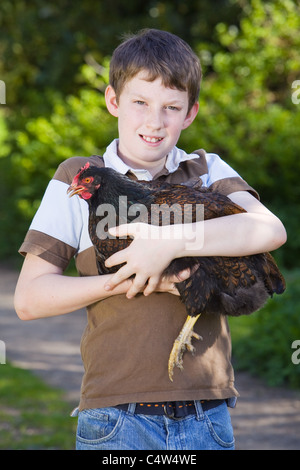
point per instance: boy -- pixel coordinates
(127, 400)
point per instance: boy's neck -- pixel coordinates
(152, 167)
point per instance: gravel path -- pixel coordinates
(264, 419)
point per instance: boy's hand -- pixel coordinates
(165, 284)
(150, 252)
(169, 284)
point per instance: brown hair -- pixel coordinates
(160, 54)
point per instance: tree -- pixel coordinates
(246, 110)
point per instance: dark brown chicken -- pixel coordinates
(218, 285)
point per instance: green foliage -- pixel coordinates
(262, 342)
(55, 106)
(43, 44)
(246, 111)
(76, 125)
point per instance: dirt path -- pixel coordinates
(265, 418)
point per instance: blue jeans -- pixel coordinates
(113, 429)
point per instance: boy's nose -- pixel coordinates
(154, 120)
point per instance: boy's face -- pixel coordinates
(150, 120)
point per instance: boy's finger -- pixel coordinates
(115, 259)
(120, 231)
(151, 285)
(121, 275)
(137, 286)
(182, 276)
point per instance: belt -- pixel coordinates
(173, 409)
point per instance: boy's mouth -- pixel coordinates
(151, 140)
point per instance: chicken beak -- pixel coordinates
(74, 189)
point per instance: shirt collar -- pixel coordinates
(174, 158)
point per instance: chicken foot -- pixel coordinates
(181, 343)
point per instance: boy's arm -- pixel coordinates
(256, 231)
(43, 291)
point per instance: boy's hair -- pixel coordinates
(162, 55)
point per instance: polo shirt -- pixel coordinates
(126, 343)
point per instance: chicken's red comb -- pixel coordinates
(85, 167)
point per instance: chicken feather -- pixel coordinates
(217, 285)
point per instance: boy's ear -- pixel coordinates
(111, 101)
(191, 116)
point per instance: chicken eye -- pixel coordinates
(88, 180)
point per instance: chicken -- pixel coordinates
(217, 285)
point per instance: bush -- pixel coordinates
(246, 111)
(74, 125)
(262, 342)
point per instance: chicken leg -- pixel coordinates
(181, 343)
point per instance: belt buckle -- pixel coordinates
(170, 416)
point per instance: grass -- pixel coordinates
(33, 416)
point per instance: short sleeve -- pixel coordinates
(220, 177)
(59, 229)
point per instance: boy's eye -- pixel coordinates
(173, 108)
(140, 102)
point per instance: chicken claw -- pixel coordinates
(181, 343)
